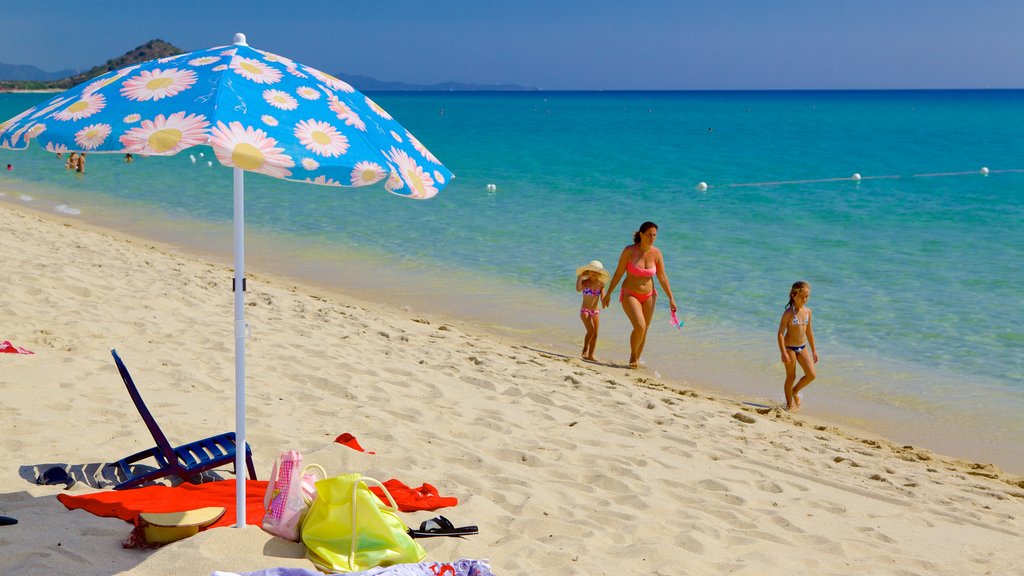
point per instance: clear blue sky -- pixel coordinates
(562, 44)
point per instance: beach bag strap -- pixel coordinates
(340, 538)
(355, 530)
(309, 479)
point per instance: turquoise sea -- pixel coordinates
(916, 268)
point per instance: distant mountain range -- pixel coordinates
(23, 77)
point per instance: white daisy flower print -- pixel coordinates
(396, 136)
(255, 70)
(280, 99)
(321, 138)
(98, 84)
(131, 118)
(220, 68)
(294, 71)
(53, 106)
(12, 121)
(346, 113)
(269, 120)
(365, 173)
(376, 108)
(88, 105)
(203, 61)
(421, 148)
(165, 136)
(269, 57)
(55, 148)
(324, 181)
(250, 149)
(420, 183)
(34, 130)
(92, 136)
(310, 164)
(438, 177)
(394, 183)
(157, 84)
(308, 93)
(331, 81)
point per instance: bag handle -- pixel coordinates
(311, 468)
(273, 482)
(355, 488)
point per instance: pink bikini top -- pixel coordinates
(635, 270)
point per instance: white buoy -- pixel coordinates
(491, 187)
(702, 186)
(209, 163)
(855, 177)
(192, 157)
(984, 170)
(201, 155)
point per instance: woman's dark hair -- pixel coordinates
(643, 228)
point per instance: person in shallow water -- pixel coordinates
(640, 262)
(590, 281)
(794, 336)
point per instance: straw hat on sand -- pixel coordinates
(596, 269)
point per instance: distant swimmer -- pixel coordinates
(128, 158)
(9, 167)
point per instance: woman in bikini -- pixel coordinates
(794, 336)
(590, 280)
(640, 262)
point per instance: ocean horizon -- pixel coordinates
(902, 208)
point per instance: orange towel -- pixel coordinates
(128, 504)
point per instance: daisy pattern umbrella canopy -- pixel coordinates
(260, 112)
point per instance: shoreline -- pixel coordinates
(723, 363)
(642, 377)
(563, 464)
(903, 419)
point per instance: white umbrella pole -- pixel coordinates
(240, 329)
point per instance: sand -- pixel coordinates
(567, 467)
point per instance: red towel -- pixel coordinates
(128, 504)
(7, 348)
(412, 499)
(408, 499)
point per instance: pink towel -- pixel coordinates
(8, 348)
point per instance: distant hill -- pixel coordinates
(148, 51)
(367, 84)
(21, 77)
(24, 72)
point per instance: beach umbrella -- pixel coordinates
(260, 112)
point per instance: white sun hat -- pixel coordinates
(596, 267)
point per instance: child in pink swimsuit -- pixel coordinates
(590, 281)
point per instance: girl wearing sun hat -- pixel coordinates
(591, 280)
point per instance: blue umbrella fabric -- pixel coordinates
(259, 111)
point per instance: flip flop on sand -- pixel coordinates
(441, 526)
(7, 521)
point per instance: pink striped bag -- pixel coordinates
(287, 498)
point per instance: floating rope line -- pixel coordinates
(984, 171)
(854, 178)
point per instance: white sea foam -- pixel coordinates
(65, 209)
(25, 197)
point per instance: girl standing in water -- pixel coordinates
(794, 336)
(590, 280)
